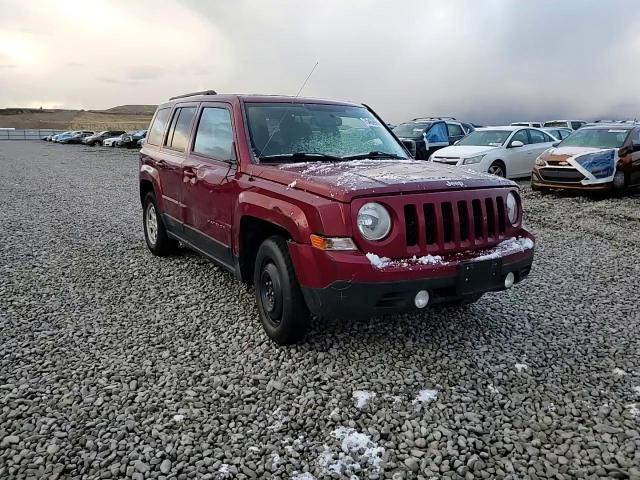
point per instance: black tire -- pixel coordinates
(283, 311)
(163, 245)
(498, 168)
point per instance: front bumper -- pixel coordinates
(347, 284)
(579, 184)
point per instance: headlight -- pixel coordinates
(512, 208)
(373, 221)
(471, 160)
(540, 162)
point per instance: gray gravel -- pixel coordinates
(114, 363)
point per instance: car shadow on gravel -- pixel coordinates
(459, 326)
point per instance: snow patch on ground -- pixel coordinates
(224, 471)
(363, 397)
(178, 418)
(620, 372)
(357, 452)
(492, 388)
(425, 397)
(521, 366)
(292, 184)
(303, 476)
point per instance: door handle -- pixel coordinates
(190, 175)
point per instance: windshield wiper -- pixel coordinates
(299, 156)
(374, 154)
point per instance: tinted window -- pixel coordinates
(157, 127)
(520, 135)
(214, 136)
(538, 137)
(576, 125)
(180, 128)
(437, 133)
(411, 130)
(454, 130)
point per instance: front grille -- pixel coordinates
(447, 160)
(455, 225)
(560, 175)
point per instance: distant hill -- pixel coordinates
(122, 117)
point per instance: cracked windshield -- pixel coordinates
(287, 132)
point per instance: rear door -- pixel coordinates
(634, 174)
(169, 160)
(435, 138)
(210, 188)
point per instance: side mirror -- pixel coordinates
(516, 144)
(635, 147)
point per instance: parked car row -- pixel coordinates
(107, 138)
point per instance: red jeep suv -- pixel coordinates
(319, 206)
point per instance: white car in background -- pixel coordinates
(112, 142)
(508, 152)
(570, 124)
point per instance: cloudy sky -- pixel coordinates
(486, 61)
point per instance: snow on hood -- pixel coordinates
(345, 179)
(464, 151)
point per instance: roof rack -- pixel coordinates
(204, 92)
(435, 118)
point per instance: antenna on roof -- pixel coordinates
(287, 110)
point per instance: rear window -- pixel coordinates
(180, 128)
(157, 127)
(411, 130)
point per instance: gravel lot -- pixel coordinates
(114, 363)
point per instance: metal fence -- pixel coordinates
(26, 134)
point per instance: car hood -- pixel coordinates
(463, 151)
(556, 154)
(349, 179)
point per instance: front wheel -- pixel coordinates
(498, 168)
(283, 311)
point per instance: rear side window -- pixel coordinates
(214, 136)
(157, 127)
(538, 137)
(576, 125)
(454, 130)
(178, 135)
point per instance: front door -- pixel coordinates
(209, 173)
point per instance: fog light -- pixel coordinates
(422, 299)
(509, 280)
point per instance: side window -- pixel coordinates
(576, 125)
(437, 133)
(157, 127)
(455, 130)
(180, 128)
(538, 137)
(214, 136)
(520, 135)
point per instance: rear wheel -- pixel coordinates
(155, 233)
(498, 168)
(283, 312)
